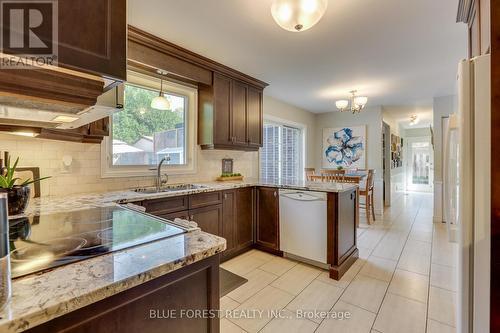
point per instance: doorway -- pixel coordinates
(386, 162)
(419, 165)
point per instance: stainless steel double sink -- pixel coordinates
(169, 188)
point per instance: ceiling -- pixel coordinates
(395, 52)
(401, 115)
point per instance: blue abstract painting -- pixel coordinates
(344, 147)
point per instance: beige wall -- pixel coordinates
(85, 173)
(371, 117)
(416, 132)
(281, 110)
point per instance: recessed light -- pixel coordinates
(28, 134)
(65, 119)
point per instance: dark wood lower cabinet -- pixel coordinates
(249, 217)
(245, 203)
(229, 217)
(177, 215)
(238, 221)
(267, 226)
(209, 218)
(145, 308)
(342, 210)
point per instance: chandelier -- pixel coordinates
(355, 103)
(298, 15)
(414, 120)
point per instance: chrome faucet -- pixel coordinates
(159, 182)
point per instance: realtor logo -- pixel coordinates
(28, 33)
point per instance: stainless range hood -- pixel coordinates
(56, 115)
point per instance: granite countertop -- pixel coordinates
(41, 297)
(49, 205)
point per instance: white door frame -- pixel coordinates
(408, 175)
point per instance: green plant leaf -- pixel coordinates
(29, 181)
(3, 182)
(12, 182)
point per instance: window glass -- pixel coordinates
(281, 153)
(142, 135)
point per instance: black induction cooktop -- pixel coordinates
(45, 241)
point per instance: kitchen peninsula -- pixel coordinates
(173, 272)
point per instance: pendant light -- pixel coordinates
(160, 102)
(358, 103)
(298, 15)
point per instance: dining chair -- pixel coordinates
(367, 192)
(309, 173)
(332, 171)
(332, 175)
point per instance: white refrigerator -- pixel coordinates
(467, 192)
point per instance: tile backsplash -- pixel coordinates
(84, 175)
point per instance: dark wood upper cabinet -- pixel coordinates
(255, 121)
(239, 113)
(230, 115)
(92, 37)
(222, 105)
(267, 233)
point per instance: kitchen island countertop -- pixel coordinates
(40, 297)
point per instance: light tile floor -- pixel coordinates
(404, 281)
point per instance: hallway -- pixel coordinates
(404, 281)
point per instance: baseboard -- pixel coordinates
(336, 272)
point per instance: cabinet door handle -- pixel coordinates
(191, 217)
(275, 194)
(225, 196)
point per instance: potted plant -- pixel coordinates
(18, 194)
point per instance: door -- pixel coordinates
(244, 216)
(228, 219)
(267, 234)
(209, 218)
(254, 117)
(92, 36)
(420, 164)
(239, 113)
(222, 113)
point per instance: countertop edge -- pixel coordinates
(42, 315)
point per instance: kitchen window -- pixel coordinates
(282, 153)
(141, 136)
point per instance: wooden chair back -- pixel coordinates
(309, 173)
(369, 180)
(332, 171)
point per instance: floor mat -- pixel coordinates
(229, 281)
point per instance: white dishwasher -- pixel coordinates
(303, 225)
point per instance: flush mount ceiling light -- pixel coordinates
(298, 15)
(357, 103)
(414, 120)
(160, 102)
(64, 119)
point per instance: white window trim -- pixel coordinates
(109, 171)
(303, 130)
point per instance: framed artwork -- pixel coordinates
(344, 147)
(227, 165)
